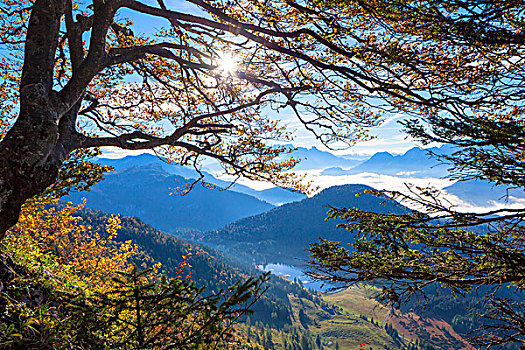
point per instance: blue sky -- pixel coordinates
(389, 136)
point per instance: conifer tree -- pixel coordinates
(139, 313)
(462, 64)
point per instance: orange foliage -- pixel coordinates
(87, 258)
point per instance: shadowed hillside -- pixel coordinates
(148, 192)
(283, 234)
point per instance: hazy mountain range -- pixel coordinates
(416, 162)
(314, 158)
(140, 186)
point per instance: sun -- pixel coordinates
(227, 63)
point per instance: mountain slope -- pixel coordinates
(404, 328)
(314, 158)
(415, 162)
(282, 234)
(209, 267)
(274, 196)
(145, 191)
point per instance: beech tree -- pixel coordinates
(76, 76)
(467, 59)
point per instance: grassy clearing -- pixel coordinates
(351, 318)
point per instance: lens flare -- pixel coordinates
(226, 63)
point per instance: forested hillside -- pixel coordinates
(283, 234)
(287, 314)
(209, 267)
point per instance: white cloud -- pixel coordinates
(377, 181)
(463, 206)
(117, 153)
(398, 183)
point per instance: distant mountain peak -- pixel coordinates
(348, 188)
(415, 150)
(153, 164)
(383, 154)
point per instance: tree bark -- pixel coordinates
(29, 162)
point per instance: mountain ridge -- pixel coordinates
(282, 234)
(150, 192)
(274, 196)
(415, 162)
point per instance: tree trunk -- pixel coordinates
(27, 167)
(29, 161)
